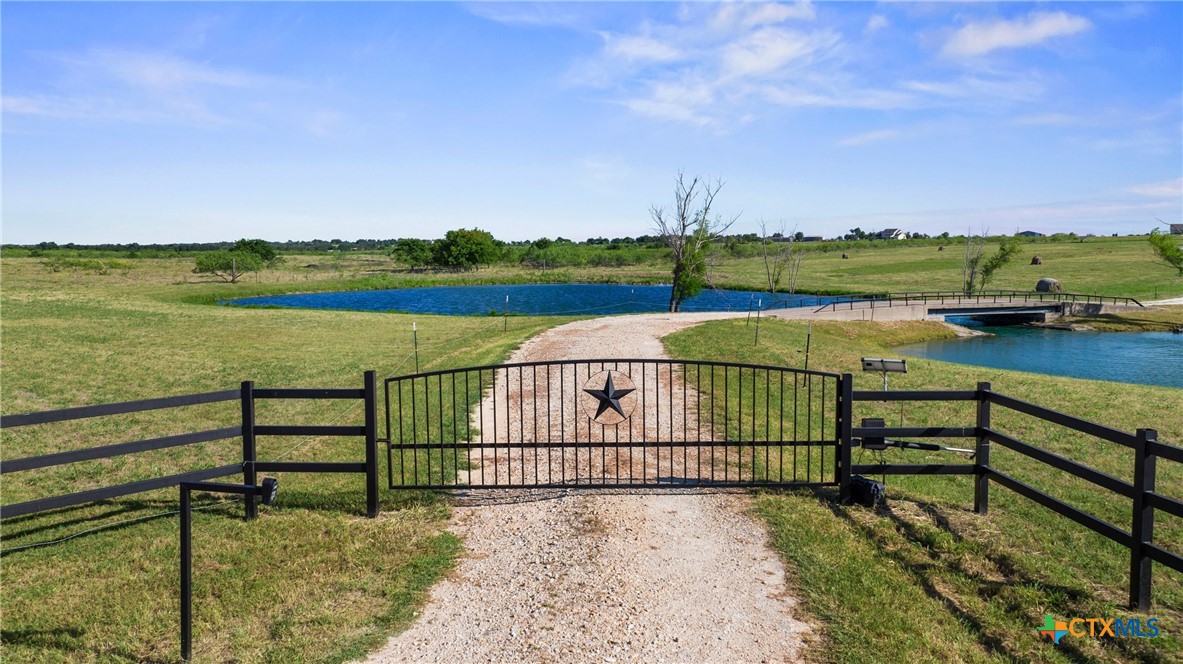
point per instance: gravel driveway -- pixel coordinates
(606, 576)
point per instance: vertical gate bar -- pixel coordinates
(603, 444)
(534, 410)
(781, 416)
(657, 407)
(575, 421)
(480, 406)
(247, 395)
(644, 424)
(389, 437)
(714, 408)
(821, 471)
(837, 427)
(698, 419)
(414, 432)
(443, 450)
(186, 575)
(754, 421)
(670, 366)
(796, 405)
(1142, 532)
(739, 426)
(402, 467)
(982, 453)
(549, 430)
(726, 419)
(521, 425)
(846, 403)
(371, 405)
(767, 423)
(809, 428)
(616, 450)
(493, 391)
(455, 436)
(685, 425)
(563, 422)
(631, 421)
(426, 423)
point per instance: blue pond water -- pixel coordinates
(1149, 358)
(530, 299)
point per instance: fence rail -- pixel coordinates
(248, 431)
(1139, 539)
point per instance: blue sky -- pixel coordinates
(173, 122)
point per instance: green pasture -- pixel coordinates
(925, 579)
(313, 580)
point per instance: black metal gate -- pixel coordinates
(613, 423)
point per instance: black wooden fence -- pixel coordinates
(248, 431)
(1139, 539)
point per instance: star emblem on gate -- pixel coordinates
(605, 399)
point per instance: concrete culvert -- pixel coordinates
(1049, 285)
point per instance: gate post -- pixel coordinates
(982, 453)
(248, 445)
(845, 442)
(1142, 531)
(371, 400)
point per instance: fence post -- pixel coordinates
(845, 405)
(248, 445)
(371, 402)
(1142, 530)
(982, 453)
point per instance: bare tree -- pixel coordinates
(689, 231)
(782, 257)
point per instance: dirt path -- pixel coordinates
(552, 575)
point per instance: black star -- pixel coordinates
(609, 397)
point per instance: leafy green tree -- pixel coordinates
(412, 251)
(1167, 249)
(465, 249)
(228, 265)
(260, 248)
(1007, 250)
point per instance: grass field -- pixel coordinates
(314, 581)
(926, 579)
(311, 580)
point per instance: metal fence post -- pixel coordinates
(982, 453)
(186, 575)
(1142, 531)
(845, 442)
(248, 445)
(371, 401)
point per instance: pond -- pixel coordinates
(529, 299)
(1149, 358)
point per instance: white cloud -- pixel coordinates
(983, 37)
(769, 49)
(639, 48)
(772, 13)
(875, 24)
(1166, 188)
(868, 137)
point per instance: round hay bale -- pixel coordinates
(1049, 285)
(1037, 260)
(941, 248)
(844, 256)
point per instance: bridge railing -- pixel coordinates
(908, 298)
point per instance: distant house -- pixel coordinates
(812, 238)
(1029, 234)
(1176, 229)
(890, 234)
